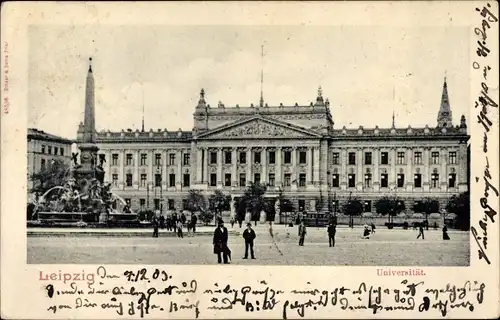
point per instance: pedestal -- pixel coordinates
(262, 218)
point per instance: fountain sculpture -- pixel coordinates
(84, 196)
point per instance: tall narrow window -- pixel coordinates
(384, 158)
(272, 157)
(336, 158)
(368, 158)
(401, 158)
(144, 159)
(335, 180)
(352, 158)
(418, 180)
(158, 159)
(351, 180)
(401, 180)
(452, 157)
(435, 180)
(417, 157)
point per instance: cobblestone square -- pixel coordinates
(385, 248)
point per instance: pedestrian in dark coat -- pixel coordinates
(332, 229)
(179, 230)
(194, 221)
(249, 236)
(302, 233)
(220, 243)
(421, 231)
(155, 227)
(445, 233)
(162, 221)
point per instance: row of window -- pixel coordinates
(186, 180)
(257, 157)
(400, 181)
(287, 158)
(129, 160)
(57, 150)
(400, 159)
(287, 180)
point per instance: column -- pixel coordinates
(294, 168)
(343, 172)
(219, 167)
(249, 165)
(151, 177)
(409, 169)
(392, 162)
(359, 167)
(178, 174)
(277, 167)
(121, 181)
(164, 173)
(234, 169)
(205, 165)
(427, 169)
(323, 160)
(199, 165)
(316, 165)
(443, 175)
(310, 180)
(462, 167)
(263, 159)
(376, 172)
(136, 169)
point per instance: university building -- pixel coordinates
(295, 149)
(44, 147)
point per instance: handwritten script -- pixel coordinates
(484, 104)
(144, 292)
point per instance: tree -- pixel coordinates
(52, 175)
(389, 206)
(352, 207)
(460, 205)
(426, 206)
(240, 209)
(253, 200)
(219, 202)
(196, 202)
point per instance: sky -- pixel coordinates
(367, 72)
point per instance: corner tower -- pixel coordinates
(444, 118)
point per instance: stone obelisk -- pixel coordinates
(88, 148)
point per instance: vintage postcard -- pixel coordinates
(219, 160)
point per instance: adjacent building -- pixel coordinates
(44, 147)
(295, 149)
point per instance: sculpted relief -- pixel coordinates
(258, 129)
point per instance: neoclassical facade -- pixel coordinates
(295, 149)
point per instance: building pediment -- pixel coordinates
(259, 128)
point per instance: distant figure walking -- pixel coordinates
(445, 233)
(220, 243)
(421, 231)
(366, 232)
(302, 233)
(194, 221)
(179, 229)
(155, 227)
(373, 227)
(162, 221)
(232, 222)
(332, 229)
(249, 236)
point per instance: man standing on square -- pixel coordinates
(302, 233)
(331, 234)
(249, 236)
(220, 243)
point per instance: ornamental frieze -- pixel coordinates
(258, 129)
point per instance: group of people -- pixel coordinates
(220, 242)
(421, 232)
(174, 223)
